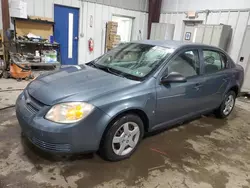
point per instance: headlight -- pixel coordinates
(69, 112)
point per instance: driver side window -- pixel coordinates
(186, 63)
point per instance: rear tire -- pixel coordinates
(226, 106)
(122, 138)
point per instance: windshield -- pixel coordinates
(134, 61)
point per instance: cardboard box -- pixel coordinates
(112, 28)
(112, 24)
(112, 46)
(112, 43)
(114, 37)
(41, 18)
(112, 31)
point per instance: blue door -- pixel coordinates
(66, 33)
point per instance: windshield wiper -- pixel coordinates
(109, 70)
(93, 64)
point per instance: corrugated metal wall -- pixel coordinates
(238, 19)
(188, 5)
(42, 7)
(1, 22)
(101, 14)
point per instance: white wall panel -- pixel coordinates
(142, 24)
(49, 8)
(90, 30)
(39, 8)
(201, 16)
(224, 17)
(75, 3)
(145, 28)
(237, 20)
(213, 18)
(168, 18)
(66, 2)
(83, 39)
(1, 23)
(98, 30)
(162, 18)
(105, 18)
(238, 34)
(178, 27)
(136, 28)
(30, 7)
(185, 5)
(232, 20)
(173, 18)
(56, 1)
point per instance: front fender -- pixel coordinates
(144, 103)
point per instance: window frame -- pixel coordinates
(178, 52)
(221, 53)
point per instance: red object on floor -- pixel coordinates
(158, 151)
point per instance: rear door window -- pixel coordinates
(214, 61)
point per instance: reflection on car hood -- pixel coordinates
(86, 81)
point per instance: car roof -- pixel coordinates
(173, 44)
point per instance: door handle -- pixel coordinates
(225, 79)
(197, 86)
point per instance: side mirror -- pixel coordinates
(173, 77)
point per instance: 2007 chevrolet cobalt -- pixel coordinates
(109, 103)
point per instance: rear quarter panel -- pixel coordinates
(236, 75)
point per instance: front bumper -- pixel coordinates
(83, 136)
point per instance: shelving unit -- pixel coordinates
(2, 53)
(26, 46)
(40, 27)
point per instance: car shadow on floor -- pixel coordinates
(30, 148)
(151, 154)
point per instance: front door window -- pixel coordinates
(186, 63)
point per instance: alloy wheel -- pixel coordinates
(126, 138)
(229, 104)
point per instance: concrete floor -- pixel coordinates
(9, 90)
(204, 153)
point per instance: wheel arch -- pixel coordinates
(136, 111)
(234, 88)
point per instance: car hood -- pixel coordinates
(83, 82)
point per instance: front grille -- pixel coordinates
(31, 109)
(50, 146)
(32, 104)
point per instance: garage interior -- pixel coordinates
(44, 35)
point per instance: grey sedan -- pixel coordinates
(108, 104)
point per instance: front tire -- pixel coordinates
(122, 138)
(227, 105)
